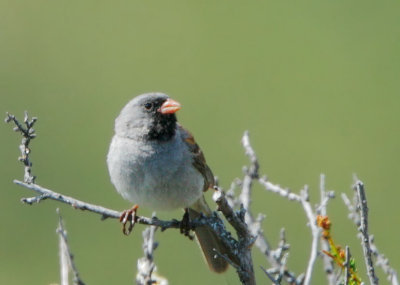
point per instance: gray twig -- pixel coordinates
(383, 262)
(328, 262)
(283, 266)
(242, 254)
(247, 227)
(28, 134)
(363, 208)
(240, 249)
(347, 266)
(67, 263)
(315, 232)
(355, 215)
(109, 213)
(252, 173)
(282, 248)
(270, 276)
(231, 262)
(303, 198)
(45, 194)
(147, 270)
(286, 193)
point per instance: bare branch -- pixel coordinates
(283, 266)
(282, 248)
(270, 276)
(383, 262)
(67, 263)
(254, 225)
(231, 263)
(80, 205)
(355, 215)
(64, 256)
(303, 198)
(347, 266)
(249, 151)
(278, 190)
(214, 222)
(237, 211)
(240, 248)
(315, 232)
(45, 193)
(232, 217)
(242, 254)
(328, 262)
(147, 271)
(28, 133)
(363, 207)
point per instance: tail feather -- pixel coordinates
(209, 242)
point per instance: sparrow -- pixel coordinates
(154, 162)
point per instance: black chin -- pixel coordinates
(163, 127)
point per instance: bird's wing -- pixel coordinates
(199, 161)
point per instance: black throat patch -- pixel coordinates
(163, 127)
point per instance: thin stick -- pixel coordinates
(250, 174)
(28, 134)
(66, 257)
(347, 266)
(147, 274)
(328, 262)
(269, 275)
(245, 239)
(381, 260)
(80, 205)
(362, 203)
(278, 190)
(315, 232)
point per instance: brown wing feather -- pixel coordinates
(199, 161)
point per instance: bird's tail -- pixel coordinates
(209, 242)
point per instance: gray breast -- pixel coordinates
(158, 175)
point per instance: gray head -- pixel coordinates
(148, 116)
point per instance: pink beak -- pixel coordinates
(169, 107)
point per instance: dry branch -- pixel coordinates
(28, 134)
(147, 270)
(67, 263)
(240, 250)
(328, 262)
(358, 213)
(362, 205)
(237, 211)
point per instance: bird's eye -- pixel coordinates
(148, 106)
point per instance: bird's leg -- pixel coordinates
(128, 216)
(185, 225)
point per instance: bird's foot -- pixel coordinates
(128, 216)
(185, 225)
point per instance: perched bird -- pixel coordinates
(154, 162)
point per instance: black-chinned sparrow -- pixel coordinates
(154, 162)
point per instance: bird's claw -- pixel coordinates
(185, 225)
(128, 216)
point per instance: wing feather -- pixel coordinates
(199, 161)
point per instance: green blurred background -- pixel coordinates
(315, 82)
